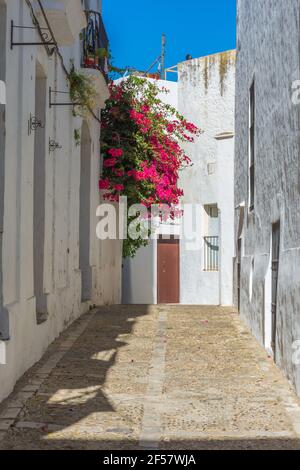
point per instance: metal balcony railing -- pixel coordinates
(95, 44)
(211, 253)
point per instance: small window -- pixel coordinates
(213, 211)
(211, 253)
(251, 176)
(211, 238)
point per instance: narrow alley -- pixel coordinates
(153, 377)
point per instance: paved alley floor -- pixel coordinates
(157, 377)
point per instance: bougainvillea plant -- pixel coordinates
(142, 155)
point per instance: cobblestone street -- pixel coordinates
(166, 377)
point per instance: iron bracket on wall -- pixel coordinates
(60, 103)
(34, 123)
(53, 145)
(46, 36)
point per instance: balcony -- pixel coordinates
(95, 44)
(94, 60)
(66, 19)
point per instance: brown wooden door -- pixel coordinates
(168, 271)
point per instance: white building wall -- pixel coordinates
(62, 276)
(205, 95)
(225, 171)
(140, 277)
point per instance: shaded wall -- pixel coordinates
(268, 50)
(4, 325)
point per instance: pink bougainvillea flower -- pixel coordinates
(140, 175)
(104, 184)
(111, 197)
(115, 152)
(109, 162)
(170, 128)
(187, 159)
(145, 108)
(131, 173)
(140, 119)
(118, 172)
(190, 127)
(119, 187)
(136, 119)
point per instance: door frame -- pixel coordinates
(172, 239)
(275, 257)
(238, 272)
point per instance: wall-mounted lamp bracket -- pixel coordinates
(45, 33)
(59, 103)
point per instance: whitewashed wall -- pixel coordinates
(268, 50)
(62, 276)
(140, 276)
(205, 95)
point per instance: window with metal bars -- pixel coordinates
(211, 238)
(95, 43)
(211, 253)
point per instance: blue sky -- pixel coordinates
(196, 27)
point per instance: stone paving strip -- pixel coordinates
(153, 377)
(151, 426)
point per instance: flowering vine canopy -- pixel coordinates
(140, 141)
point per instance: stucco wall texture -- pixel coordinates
(268, 43)
(62, 275)
(206, 94)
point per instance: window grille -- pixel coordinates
(211, 253)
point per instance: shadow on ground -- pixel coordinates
(94, 397)
(77, 391)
